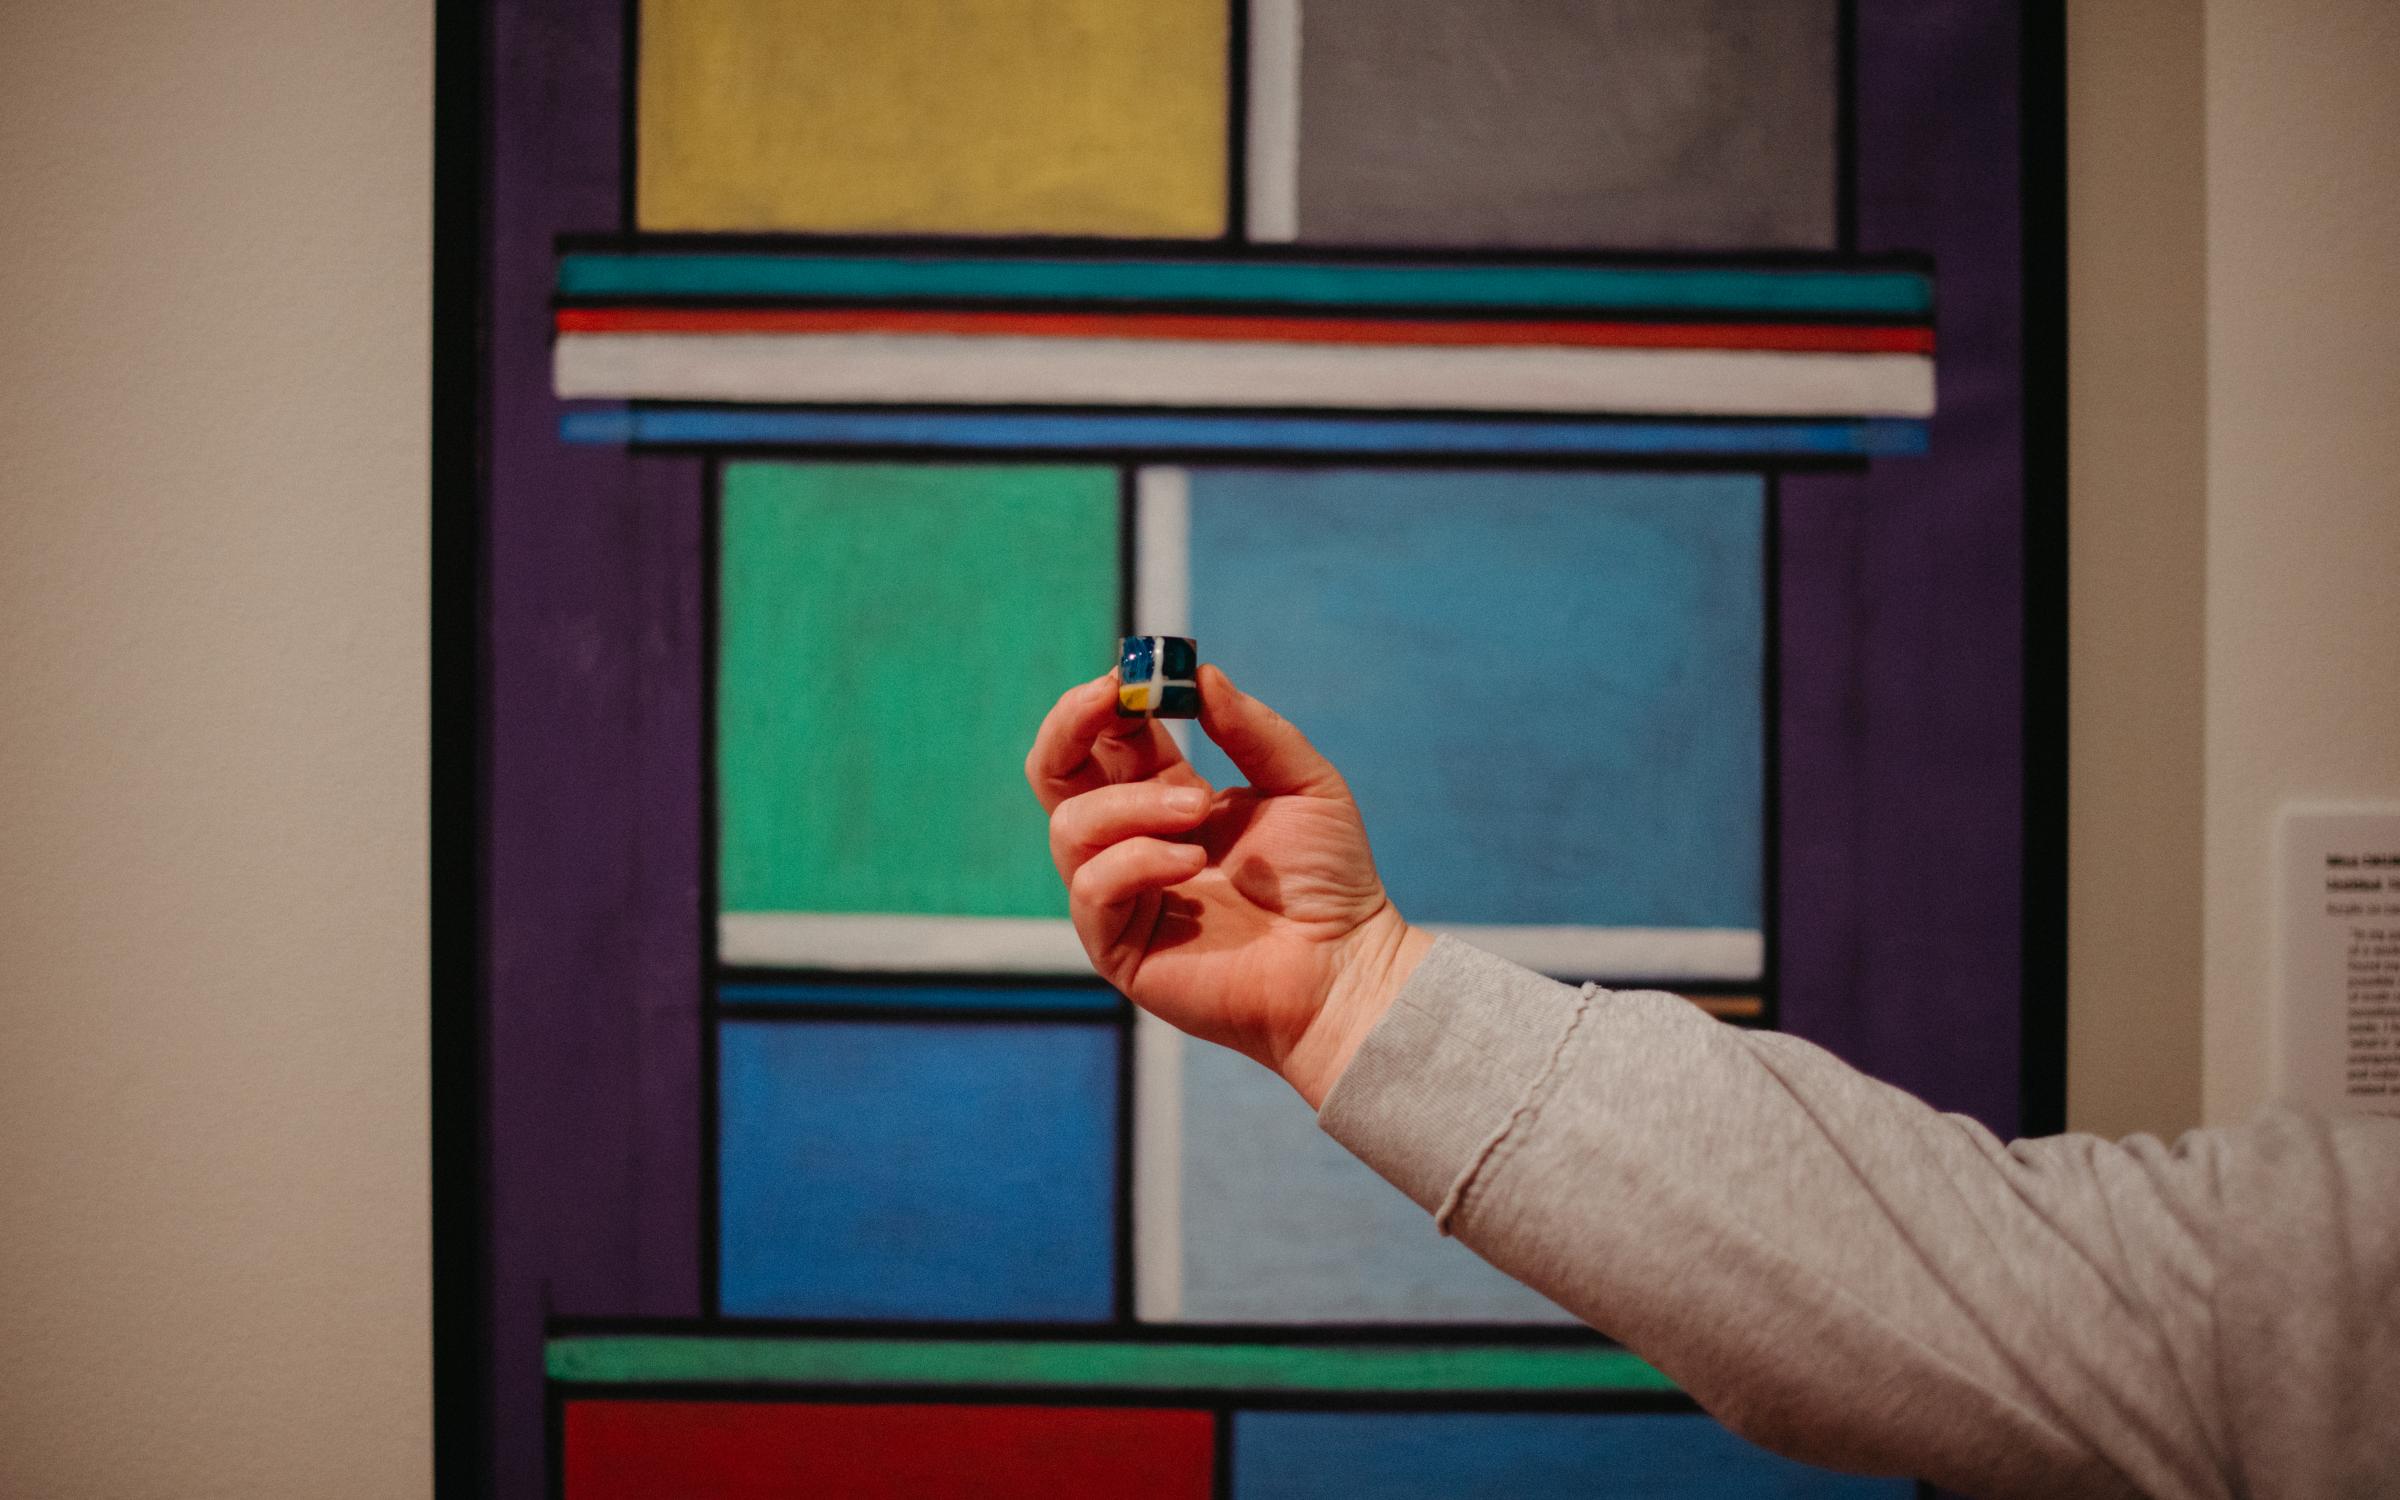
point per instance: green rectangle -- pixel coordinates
(1418, 1369)
(890, 638)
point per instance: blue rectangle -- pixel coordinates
(1766, 291)
(1506, 1455)
(1203, 433)
(1546, 689)
(1087, 1000)
(917, 1171)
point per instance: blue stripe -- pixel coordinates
(1199, 433)
(1711, 289)
(1446, 1455)
(964, 997)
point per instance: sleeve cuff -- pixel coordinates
(1442, 1075)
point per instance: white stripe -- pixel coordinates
(1034, 945)
(1162, 573)
(910, 368)
(813, 940)
(1162, 605)
(1271, 152)
(1162, 540)
(1157, 1170)
(1663, 953)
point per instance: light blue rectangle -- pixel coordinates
(1508, 1455)
(1085, 1000)
(925, 1171)
(1757, 290)
(1546, 689)
(1281, 1225)
(1177, 433)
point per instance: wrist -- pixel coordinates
(1375, 961)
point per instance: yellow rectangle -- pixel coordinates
(1038, 117)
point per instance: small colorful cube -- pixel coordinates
(1155, 677)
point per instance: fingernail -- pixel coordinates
(1186, 800)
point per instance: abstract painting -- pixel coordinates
(1612, 428)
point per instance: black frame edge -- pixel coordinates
(458, 1039)
(2042, 58)
(1770, 802)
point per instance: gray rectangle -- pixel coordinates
(1602, 124)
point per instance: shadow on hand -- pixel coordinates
(1183, 918)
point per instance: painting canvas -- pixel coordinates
(1644, 399)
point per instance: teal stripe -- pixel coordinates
(1710, 289)
(1205, 432)
(678, 1359)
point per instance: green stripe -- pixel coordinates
(1899, 294)
(1418, 1368)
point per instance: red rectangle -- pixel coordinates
(754, 1450)
(1278, 328)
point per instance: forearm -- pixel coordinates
(1830, 1266)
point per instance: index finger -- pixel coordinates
(1084, 743)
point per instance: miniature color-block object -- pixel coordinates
(1155, 677)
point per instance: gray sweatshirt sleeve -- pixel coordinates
(1841, 1273)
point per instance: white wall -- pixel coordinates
(2303, 635)
(2137, 408)
(2235, 301)
(213, 313)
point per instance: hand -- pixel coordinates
(1251, 917)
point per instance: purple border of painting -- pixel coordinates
(1899, 907)
(1903, 690)
(595, 854)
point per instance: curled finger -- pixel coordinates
(1085, 824)
(1117, 888)
(1085, 743)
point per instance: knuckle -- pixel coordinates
(1066, 822)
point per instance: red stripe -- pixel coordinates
(1805, 337)
(743, 1450)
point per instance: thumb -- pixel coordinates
(1276, 757)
